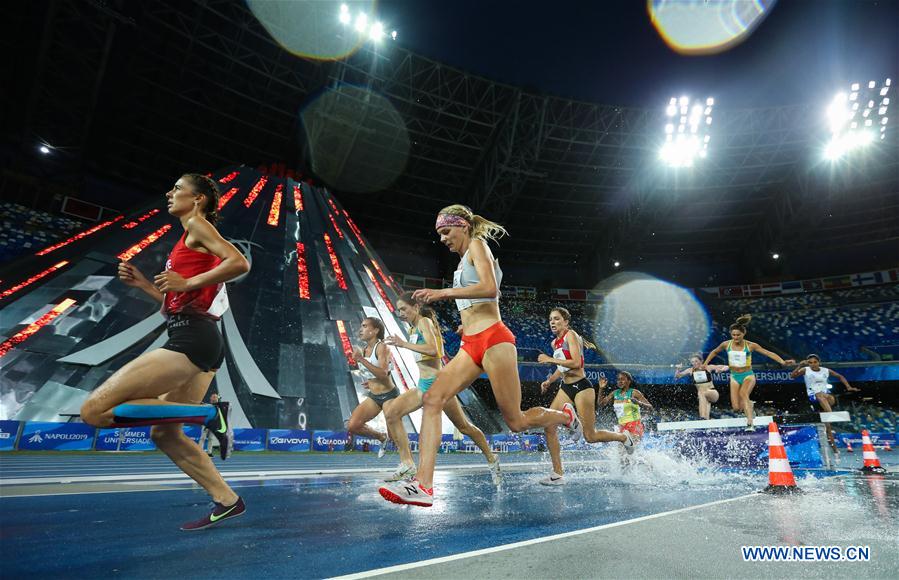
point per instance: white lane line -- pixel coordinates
(238, 475)
(541, 540)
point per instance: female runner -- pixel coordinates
(818, 388)
(426, 342)
(487, 345)
(165, 387)
(374, 364)
(568, 356)
(702, 379)
(739, 359)
(626, 401)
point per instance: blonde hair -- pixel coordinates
(566, 316)
(481, 227)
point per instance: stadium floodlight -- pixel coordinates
(691, 137)
(361, 24)
(616, 263)
(775, 256)
(851, 125)
(377, 31)
(44, 149)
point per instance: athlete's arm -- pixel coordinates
(602, 385)
(550, 380)
(714, 353)
(232, 264)
(483, 263)
(843, 380)
(130, 275)
(773, 356)
(798, 372)
(642, 400)
(682, 373)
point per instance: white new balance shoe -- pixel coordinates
(553, 479)
(403, 472)
(575, 431)
(495, 473)
(407, 492)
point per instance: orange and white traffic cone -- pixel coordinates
(872, 464)
(780, 475)
(849, 448)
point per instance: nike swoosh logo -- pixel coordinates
(224, 427)
(215, 518)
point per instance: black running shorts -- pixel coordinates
(198, 338)
(574, 388)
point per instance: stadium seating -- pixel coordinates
(25, 231)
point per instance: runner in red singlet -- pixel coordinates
(165, 387)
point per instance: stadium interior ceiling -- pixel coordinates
(133, 93)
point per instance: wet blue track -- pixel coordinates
(311, 526)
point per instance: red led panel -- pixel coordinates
(336, 228)
(33, 279)
(302, 272)
(254, 193)
(227, 197)
(275, 212)
(347, 345)
(354, 229)
(381, 273)
(378, 288)
(139, 246)
(335, 265)
(331, 203)
(230, 177)
(297, 197)
(133, 223)
(77, 237)
(41, 322)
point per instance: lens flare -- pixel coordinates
(644, 320)
(357, 140)
(316, 29)
(703, 27)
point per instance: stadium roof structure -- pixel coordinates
(149, 89)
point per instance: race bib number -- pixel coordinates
(736, 358)
(700, 377)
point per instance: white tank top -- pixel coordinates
(466, 275)
(366, 374)
(816, 381)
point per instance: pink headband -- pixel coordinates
(445, 219)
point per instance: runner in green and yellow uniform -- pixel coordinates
(626, 400)
(739, 359)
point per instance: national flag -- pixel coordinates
(755, 290)
(812, 285)
(863, 279)
(837, 282)
(790, 287)
(890, 275)
(577, 294)
(560, 293)
(773, 288)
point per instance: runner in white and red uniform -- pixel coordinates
(165, 387)
(575, 388)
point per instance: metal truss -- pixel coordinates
(147, 89)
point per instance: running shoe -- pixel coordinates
(575, 432)
(383, 450)
(407, 492)
(219, 514)
(630, 443)
(220, 427)
(403, 472)
(495, 473)
(553, 479)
